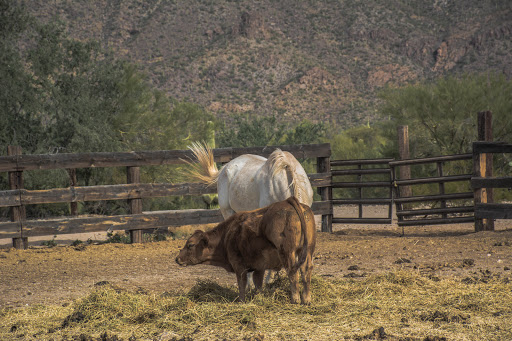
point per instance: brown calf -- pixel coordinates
(281, 235)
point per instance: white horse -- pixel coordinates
(249, 182)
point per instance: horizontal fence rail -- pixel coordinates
(437, 197)
(431, 180)
(146, 158)
(481, 147)
(127, 222)
(18, 197)
(493, 211)
(444, 158)
(363, 201)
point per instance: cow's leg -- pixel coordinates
(306, 270)
(271, 274)
(294, 286)
(257, 278)
(293, 276)
(241, 278)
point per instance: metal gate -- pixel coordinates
(435, 208)
(358, 175)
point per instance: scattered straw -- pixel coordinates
(393, 305)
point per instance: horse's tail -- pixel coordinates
(280, 161)
(205, 170)
(304, 251)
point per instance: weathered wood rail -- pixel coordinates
(17, 197)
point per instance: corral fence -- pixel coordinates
(358, 175)
(17, 197)
(332, 179)
(470, 200)
(482, 183)
(437, 208)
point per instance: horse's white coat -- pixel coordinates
(250, 181)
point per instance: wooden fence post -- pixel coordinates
(18, 213)
(483, 168)
(323, 165)
(133, 177)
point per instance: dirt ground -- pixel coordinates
(58, 275)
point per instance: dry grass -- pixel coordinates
(403, 305)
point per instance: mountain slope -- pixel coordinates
(321, 60)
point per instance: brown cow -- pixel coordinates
(281, 235)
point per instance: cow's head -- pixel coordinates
(193, 252)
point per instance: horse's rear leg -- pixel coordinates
(226, 212)
(223, 196)
(257, 279)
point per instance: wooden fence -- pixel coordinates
(482, 183)
(17, 197)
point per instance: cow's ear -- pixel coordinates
(203, 240)
(201, 237)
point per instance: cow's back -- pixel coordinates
(256, 238)
(281, 225)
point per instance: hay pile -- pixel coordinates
(394, 306)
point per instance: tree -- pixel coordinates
(442, 115)
(18, 96)
(251, 131)
(306, 132)
(442, 119)
(264, 131)
(81, 95)
(363, 142)
(148, 119)
(57, 94)
(62, 95)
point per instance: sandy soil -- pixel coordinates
(57, 275)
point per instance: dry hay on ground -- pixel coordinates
(432, 282)
(398, 305)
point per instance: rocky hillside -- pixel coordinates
(321, 60)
